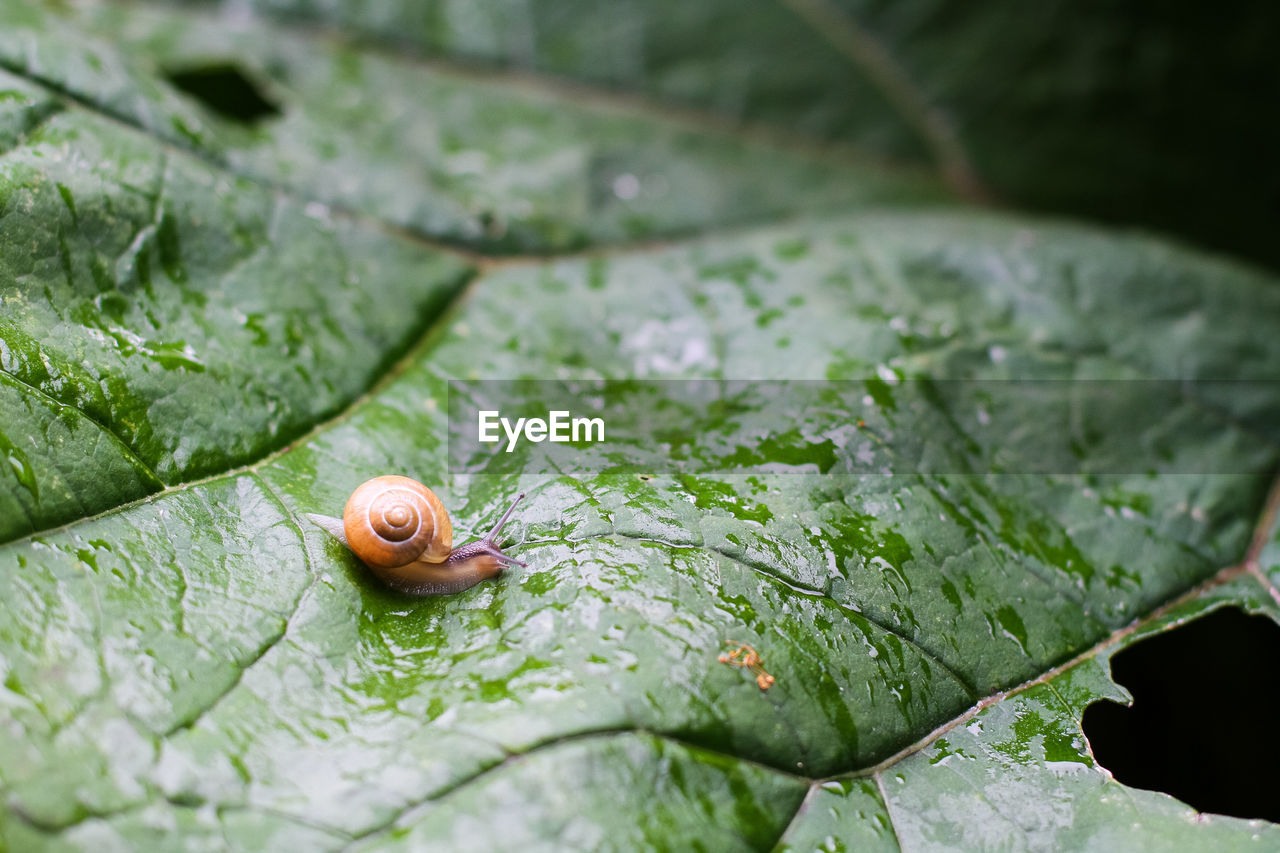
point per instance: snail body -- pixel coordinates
(399, 529)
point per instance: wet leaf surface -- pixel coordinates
(213, 317)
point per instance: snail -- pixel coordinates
(401, 531)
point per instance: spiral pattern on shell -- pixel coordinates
(393, 521)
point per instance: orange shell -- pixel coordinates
(393, 521)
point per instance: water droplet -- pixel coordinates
(21, 467)
(626, 186)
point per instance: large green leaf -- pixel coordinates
(212, 330)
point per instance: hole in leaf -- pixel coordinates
(224, 88)
(1202, 723)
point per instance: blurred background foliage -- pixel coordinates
(1151, 113)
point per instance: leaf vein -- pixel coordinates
(865, 51)
(273, 640)
(888, 812)
(127, 451)
(811, 592)
(542, 746)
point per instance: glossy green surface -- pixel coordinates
(203, 668)
(884, 604)
(165, 321)
(1019, 775)
(676, 798)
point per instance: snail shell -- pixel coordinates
(401, 531)
(393, 521)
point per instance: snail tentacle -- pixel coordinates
(329, 524)
(487, 545)
(497, 528)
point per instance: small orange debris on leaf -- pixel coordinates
(745, 656)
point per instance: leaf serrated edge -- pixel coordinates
(1248, 566)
